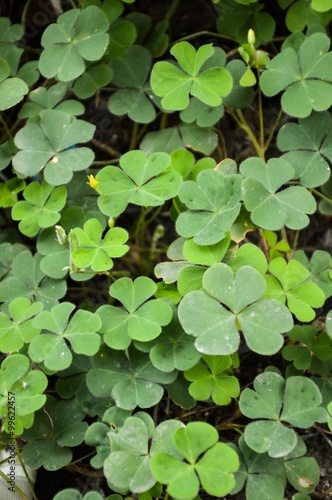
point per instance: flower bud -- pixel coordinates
(251, 37)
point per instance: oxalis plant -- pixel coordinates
(159, 184)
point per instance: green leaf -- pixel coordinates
(309, 345)
(95, 77)
(214, 381)
(41, 208)
(173, 349)
(9, 192)
(132, 72)
(261, 473)
(183, 479)
(16, 329)
(78, 35)
(27, 280)
(319, 267)
(308, 145)
(296, 402)
(128, 465)
(238, 19)
(174, 85)
(208, 254)
(43, 98)
(301, 403)
(171, 139)
(28, 385)
(7, 151)
(213, 203)
(62, 428)
(270, 208)
(262, 321)
(248, 255)
(291, 286)
(141, 180)
(80, 332)
(200, 113)
(131, 381)
(12, 90)
(141, 321)
(45, 147)
(97, 251)
(303, 76)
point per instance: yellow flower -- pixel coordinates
(92, 181)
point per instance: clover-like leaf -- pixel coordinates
(62, 428)
(308, 146)
(97, 251)
(248, 255)
(237, 19)
(95, 77)
(303, 76)
(270, 208)
(142, 320)
(213, 380)
(52, 98)
(170, 139)
(48, 147)
(295, 401)
(173, 349)
(16, 328)
(213, 470)
(309, 345)
(9, 36)
(128, 465)
(200, 113)
(130, 74)
(27, 385)
(259, 472)
(320, 266)
(78, 35)
(9, 191)
(79, 332)
(142, 180)
(262, 321)
(12, 90)
(56, 260)
(288, 283)
(27, 280)
(41, 208)
(175, 84)
(130, 381)
(73, 494)
(213, 203)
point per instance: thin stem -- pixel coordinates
(18, 453)
(295, 240)
(104, 147)
(171, 9)
(284, 235)
(25, 11)
(321, 195)
(202, 33)
(5, 126)
(273, 129)
(261, 117)
(176, 206)
(244, 125)
(134, 134)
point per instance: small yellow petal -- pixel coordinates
(92, 181)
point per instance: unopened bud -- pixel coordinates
(251, 37)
